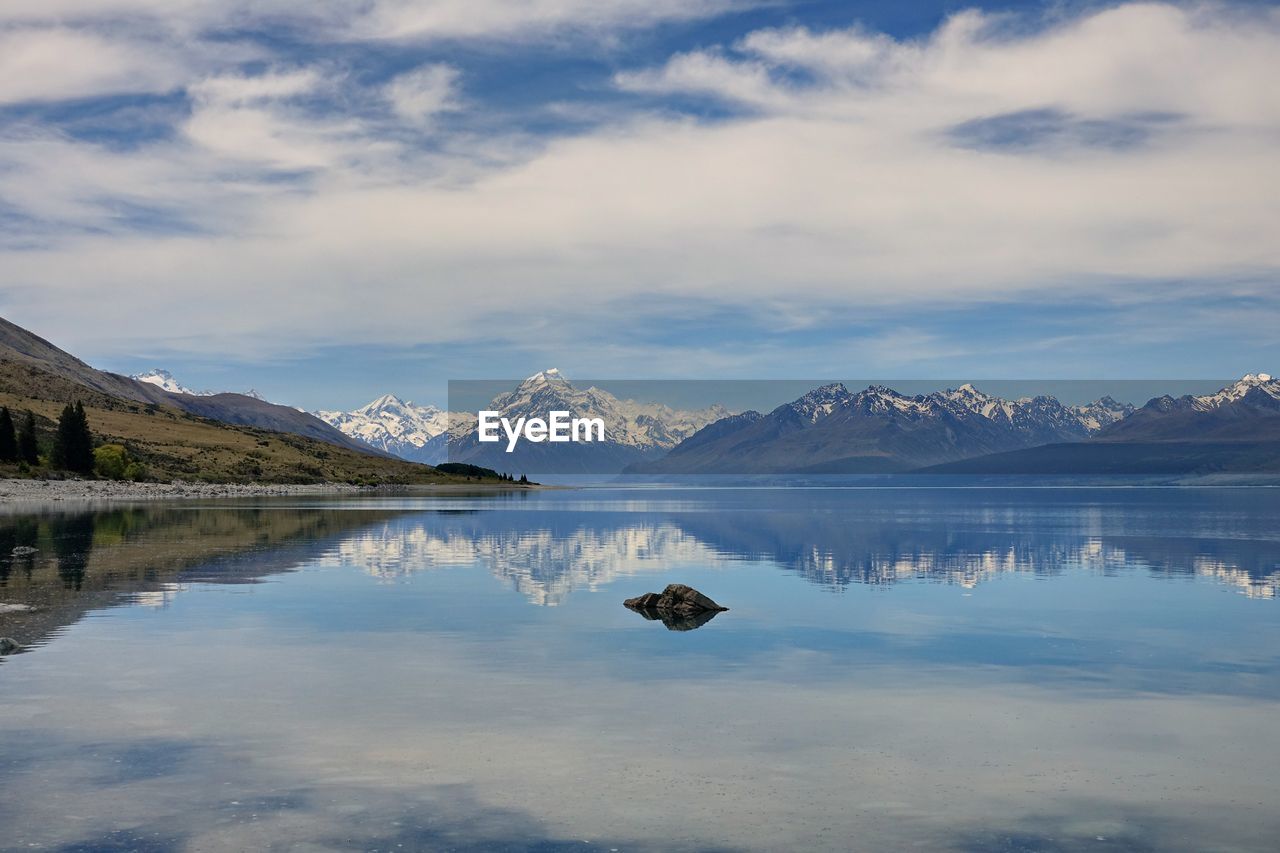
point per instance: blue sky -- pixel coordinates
(333, 201)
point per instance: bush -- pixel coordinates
(110, 461)
(113, 462)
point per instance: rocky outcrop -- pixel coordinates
(9, 646)
(679, 607)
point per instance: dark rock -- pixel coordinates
(8, 646)
(680, 607)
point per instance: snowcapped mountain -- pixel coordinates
(1040, 419)
(416, 433)
(1246, 410)
(634, 430)
(162, 378)
(1102, 413)
(628, 423)
(832, 429)
(1255, 387)
(166, 380)
(1235, 430)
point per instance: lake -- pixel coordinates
(937, 669)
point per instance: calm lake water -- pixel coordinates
(950, 669)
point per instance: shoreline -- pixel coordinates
(26, 493)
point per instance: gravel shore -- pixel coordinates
(42, 491)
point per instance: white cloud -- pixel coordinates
(426, 19)
(419, 94)
(406, 20)
(707, 73)
(240, 89)
(49, 64)
(846, 185)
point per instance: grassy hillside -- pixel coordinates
(26, 349)
(176, 445)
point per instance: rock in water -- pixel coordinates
(8, 646)
(680, 607)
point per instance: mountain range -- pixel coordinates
(634, 431)
(833, 430)
(878, 430)
(398, 427)
(1234, 430)
(827, 430)
(167, 381)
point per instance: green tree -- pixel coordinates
(28, 448)
(73, 443)
(8, 437)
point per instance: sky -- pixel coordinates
(335, 200)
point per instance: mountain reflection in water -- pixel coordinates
(548, 555)
(948, 670)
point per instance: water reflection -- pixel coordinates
(544, 558)
(677, 621)
(371, 675)
(547, 556)
(55, 567)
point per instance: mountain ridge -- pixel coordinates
(635, 431)
(396, 426)
(878, 430)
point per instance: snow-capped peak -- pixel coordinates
(980, 402)
(386, 401)
(551, 374)
(396, 426)
(627, 422)
(166, 380)
(820, 402)
(1265, 382)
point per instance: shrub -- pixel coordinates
(111, 461)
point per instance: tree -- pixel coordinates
(8, 437)
(28, 449)
(73, 443)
